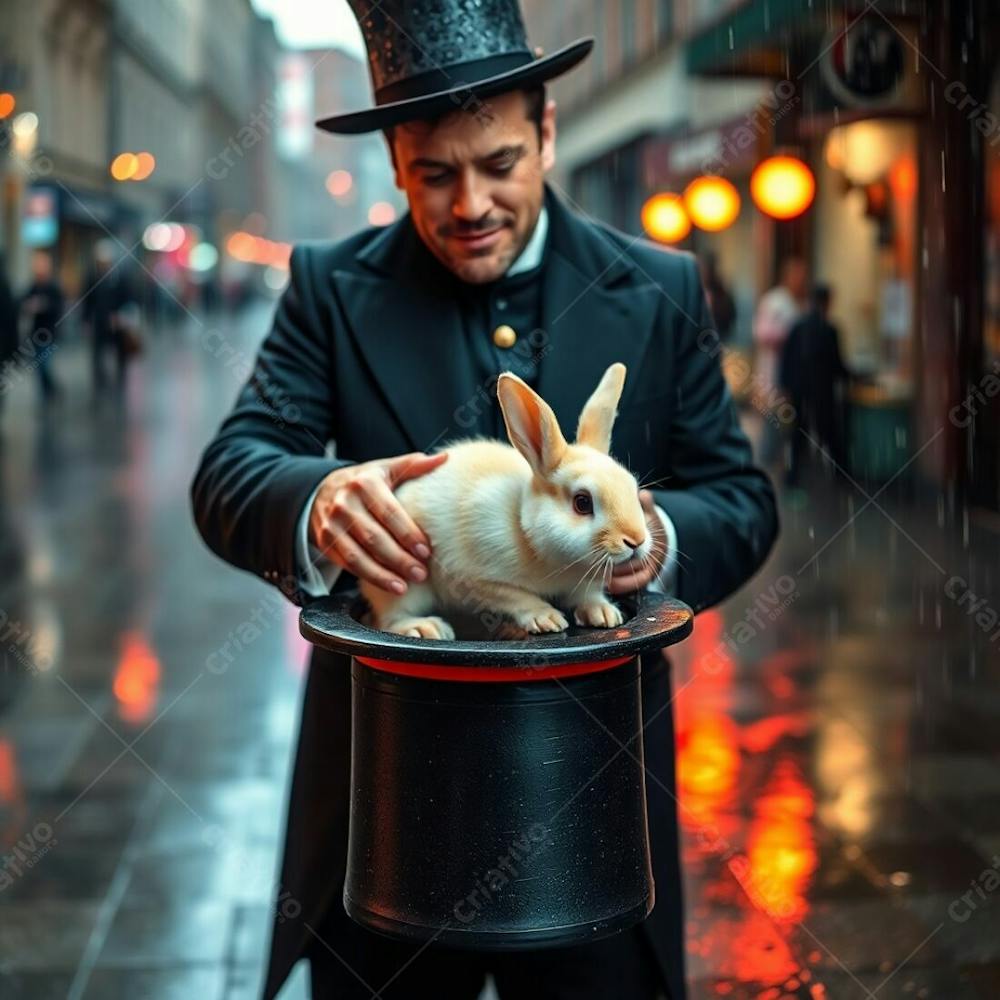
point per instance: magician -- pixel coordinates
(387, 345)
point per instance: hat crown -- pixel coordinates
(407, 37)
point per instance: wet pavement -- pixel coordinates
(839, 725)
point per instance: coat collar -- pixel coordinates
(408, 327)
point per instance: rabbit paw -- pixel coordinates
(599, 613)
(429, 627)
(540, 618)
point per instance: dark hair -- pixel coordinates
(821, 295)
(534, 100)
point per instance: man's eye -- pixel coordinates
(503, 167)
(435, 178)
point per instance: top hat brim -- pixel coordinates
(437, 103)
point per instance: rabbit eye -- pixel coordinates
(583, 503)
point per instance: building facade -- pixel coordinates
(185, 86)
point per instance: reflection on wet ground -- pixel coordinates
(838, 727)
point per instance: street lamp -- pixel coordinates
(782, 187)
(712, 203)
(664, 218)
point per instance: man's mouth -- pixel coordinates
(477, 240)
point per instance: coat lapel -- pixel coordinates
(594, 313)
(411, 339)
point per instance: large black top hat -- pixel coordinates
(428, 56)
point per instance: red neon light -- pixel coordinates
(441, 672)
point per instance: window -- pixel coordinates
(664, 18)
(628, 32)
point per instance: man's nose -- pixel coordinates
(472, 200)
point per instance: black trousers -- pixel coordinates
(350, 963)
(105, 342)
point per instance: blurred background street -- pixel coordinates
(833, 165)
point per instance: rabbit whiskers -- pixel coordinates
(598, 568)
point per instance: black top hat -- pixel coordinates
(428, 56)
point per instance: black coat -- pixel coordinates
(46, 298)
(9, 336)
(364, 354)
(105, 296)
(812, 369)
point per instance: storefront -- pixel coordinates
(893, 230)
(69, 221)
(982, 407)
(729, 150)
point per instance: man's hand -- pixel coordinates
(637, 573)
(357, 522)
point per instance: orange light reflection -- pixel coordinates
(137, 678)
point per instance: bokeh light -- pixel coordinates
(339, 183)
(712, 203)
(665, 219)
(145, 165)
(782, 187)
(381, 214)
(124, 166)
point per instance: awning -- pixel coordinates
(770, 38)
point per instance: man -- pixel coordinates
(389, 343)
(814, 376)
(9, 341)
(720, 300)
(43, 304)
(103, 303)
(777, 310)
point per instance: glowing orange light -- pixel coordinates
(137, 678)
(708, 766)
(339, 182)
(712, 203)
(124, 166)
(7, 104)
(903, 178)
(782, 849)
(10, 785)
(145, 165)
(665, 219)
(252, 249)
(240, 246)
(782, 187)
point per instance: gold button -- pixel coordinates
(504, 336)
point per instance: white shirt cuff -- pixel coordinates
(666, 582)
(316, 573)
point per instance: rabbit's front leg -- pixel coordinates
(528, 611)
(596, 610)
(406, 614)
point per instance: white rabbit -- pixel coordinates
(515, 527)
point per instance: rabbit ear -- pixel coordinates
(598, 414)
(531, 425)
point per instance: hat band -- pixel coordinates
(454, 77)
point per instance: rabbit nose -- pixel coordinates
(632, 544)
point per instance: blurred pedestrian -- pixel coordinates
(720, 300)
(104, 302)
(8, 331)
(777, 310)
(43, 306)
(814, 377)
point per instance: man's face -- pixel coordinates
(475, 183)
(795, 277)
(41, 266)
